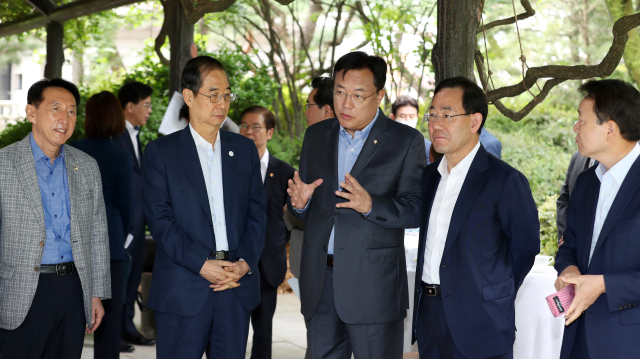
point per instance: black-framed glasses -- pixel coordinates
(357, 99)
(253, 128)
(433, 118)
(310, 104)
(217, 96)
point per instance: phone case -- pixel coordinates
(561, 301)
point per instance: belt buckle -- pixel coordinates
(59, 273)
(220, 255)
(430, 290)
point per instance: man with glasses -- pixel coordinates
(319, 105)
(258, 124)
(358, 188)
(205, 204)
(479, 235)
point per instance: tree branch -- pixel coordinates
(160, 40)
(195, 13)
(510, 20)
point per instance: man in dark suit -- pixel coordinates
(577, 164)
(479, 235)
(359, 186)
(205, 204)
(258, 124)
(599, 256)
(135, 99)
(320, 101)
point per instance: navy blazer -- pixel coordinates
(177, 210)
(273, 263)
(491, 245)
(116, 170)
(612, 322)
(124, 141)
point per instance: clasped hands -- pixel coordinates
(223, 275)
(587, 290)
(359, 199)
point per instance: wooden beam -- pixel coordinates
(55, 50)
(45, 7)
(72, 10)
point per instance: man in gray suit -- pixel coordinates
(54, 248)
(577, 164)
(357, 195)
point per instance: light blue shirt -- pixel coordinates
(56, 205)
(610, 182)
(211, 163)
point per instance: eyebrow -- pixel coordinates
(359, 89)
(58, 103)
(448, 108)
(216, 88)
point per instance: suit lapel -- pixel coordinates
(74, 189)
(228, 174)
(470, 190)
(431, 187)
(188, 156)
(370, 148)
(589, 220)
(269, 181)
(126, 137)
(332, 147)
(26, 168)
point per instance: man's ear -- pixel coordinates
(188, 97)
(270, 133)
(30, 110)
(476, 122)
(380, 96)
(129, 107)
(612, 129)
(392, 116)
(328, 112)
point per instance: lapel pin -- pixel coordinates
(231, 153)
(270, 174)
(375, 142)
(76, 168)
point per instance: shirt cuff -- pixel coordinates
(305, 207)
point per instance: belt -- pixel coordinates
(431, 290)
(221, 255)
(58, 269)
(330, 260)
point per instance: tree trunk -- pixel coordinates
(618, 9)
(55, 50)
(453, 53)
(180, 33)
(77, 70)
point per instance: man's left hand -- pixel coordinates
(587, 288)
(241, 268)
(359, 199)
(97, 313)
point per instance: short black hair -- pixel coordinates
(268, 116)
(184, 112)
(134, 92)
(196, 70)
(403, 101)
(359, 60)
(615, 100)
(473, 97)
(35, 93)
(324, 95)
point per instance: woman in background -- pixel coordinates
(105, 119)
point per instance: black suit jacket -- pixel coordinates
(124, 140)
(273, 262)
(370, 275)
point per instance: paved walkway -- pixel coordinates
(289, 334)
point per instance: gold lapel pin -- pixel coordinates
(375, 142)
(77, 168)
(270, 174)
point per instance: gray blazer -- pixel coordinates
(22, 229)
(577, 164)
(369, 272)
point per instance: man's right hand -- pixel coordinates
(570, 271)
(300, 192)
(213, 271)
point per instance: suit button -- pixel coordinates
(621, 307)
(336, 213)
(37, 269)
(325, 248)
(41, 244)
(444, 266)
(211, 226)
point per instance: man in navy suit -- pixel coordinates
(205, 205)
(258, 124)
(600, 255)
(479, 235)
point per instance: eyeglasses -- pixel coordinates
(217, 96)
(147, 105)
(310, 104)
(254, 128)
(433, 118)
(357, 99)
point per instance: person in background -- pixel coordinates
(405, 110)
(54, 245)
(104, 120)
(258, 124)
(135, 99)
(600, 255)
(320, 101)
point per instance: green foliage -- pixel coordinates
(14, 132)
(548, 228)
(285, 148)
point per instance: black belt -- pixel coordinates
(59, 269)
(431, 290)
(330, 260)
(221, 255)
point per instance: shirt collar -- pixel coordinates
(619, 170)
(199, 140)
(462, 166)
(265, 158)
(364, 133)
(130, 127)
(37, 152)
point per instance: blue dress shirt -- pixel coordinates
(54, 192)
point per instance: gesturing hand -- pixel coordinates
(587, 288)
(359, 198)
(300, 192)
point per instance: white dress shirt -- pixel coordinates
(610, 182)
(441, 212)
(133, 133)
(264, 164)
(211, 163)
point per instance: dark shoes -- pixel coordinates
(126, 348)
(137, 339)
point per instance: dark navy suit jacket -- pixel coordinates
(491, 245)
(124, 140)
(612, 322)
(179, 217)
